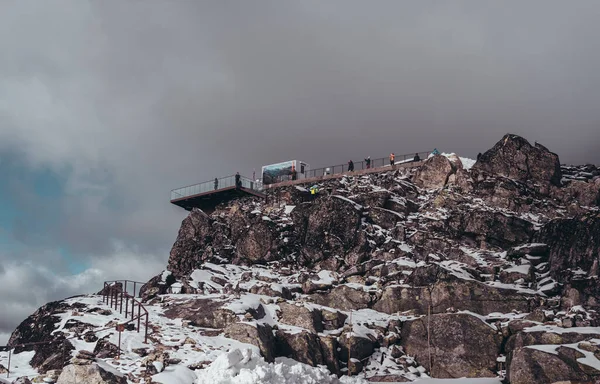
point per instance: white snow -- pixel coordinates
(467, 163)
(175, 375)
(246, 367)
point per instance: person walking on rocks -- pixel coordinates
(392, 158)
(350, 166)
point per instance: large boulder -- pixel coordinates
(434, 173)
(255, 334)
(300, 316)
(343, 298)
(515, 158)
(301, 346)
(90, 374)
(539, 364)
(460, 345)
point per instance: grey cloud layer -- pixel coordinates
(130, 99)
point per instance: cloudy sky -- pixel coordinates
(107, 105)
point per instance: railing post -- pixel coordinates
(132, 309)
(111, 297)
(126, 305)
(146, 335)
(8, 368)
(139, 319)
(125, 289)
(121, 305)
(134, 286)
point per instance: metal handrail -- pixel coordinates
(114, 298)
(208, 186)
(377, 163)
(108, 293)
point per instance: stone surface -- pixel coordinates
(461, 345)
(89, 374)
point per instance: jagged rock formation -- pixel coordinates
(439, 271)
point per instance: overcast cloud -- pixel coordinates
(107, 105)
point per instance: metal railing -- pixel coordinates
(113, 294)
(207, 186)
(378, 163)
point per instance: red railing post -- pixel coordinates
(111, 297)
(139, 319)
(132, 309)
(121, 305)
(126, 304)
(146, 335)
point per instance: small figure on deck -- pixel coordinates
(350, 166)
(216, 183)
(238, 181)
(294, 173)
(416, 158)
(478, 156)
(392, 158)
(368, 162)
(435, 152)
(314, 190)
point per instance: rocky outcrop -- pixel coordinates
(513, 157)
(573, 243)
(460, 345)
(89, 374)
(531, 365)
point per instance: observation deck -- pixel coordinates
(209, 194)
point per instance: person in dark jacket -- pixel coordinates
(238, 181)
(478, 156)
(368, 162)
(350, 166)
(216, 183)
(417, 158)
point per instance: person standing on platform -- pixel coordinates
(238, 181)
(392, 158)
(368, 162)
(350, 166)
(216, 183)
(417, 157)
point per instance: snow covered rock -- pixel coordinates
(461, 345)
(515, 158)
(436, 170)
(549, 364)
(90, 374)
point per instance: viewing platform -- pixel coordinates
(208, 195)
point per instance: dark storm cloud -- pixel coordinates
(127, 100)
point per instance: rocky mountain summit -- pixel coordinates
(437, 271)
